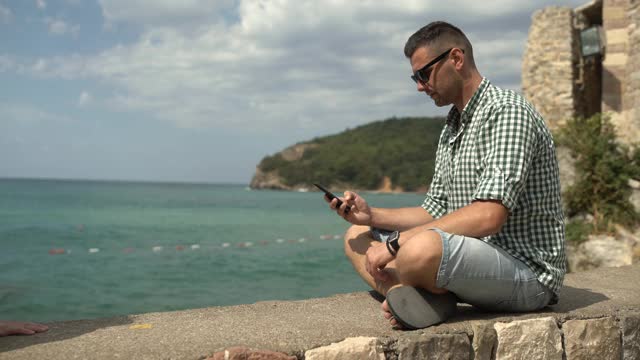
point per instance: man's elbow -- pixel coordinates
(494, 224)
(495, 216)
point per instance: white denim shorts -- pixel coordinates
(484, 275)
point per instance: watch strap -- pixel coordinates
(392, 243)
(393, 252)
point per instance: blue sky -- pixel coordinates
(201, 90)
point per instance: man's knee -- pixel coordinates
(419, 259)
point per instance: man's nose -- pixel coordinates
(424, 87)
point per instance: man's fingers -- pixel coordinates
(384, 275)
(377, 271)
(344, 209)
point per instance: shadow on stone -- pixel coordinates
(572, 298)
(59, 331)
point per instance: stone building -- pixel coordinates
(562, 83)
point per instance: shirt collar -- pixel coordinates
(473, 103)
(455, 117)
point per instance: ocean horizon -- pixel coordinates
(78, 249)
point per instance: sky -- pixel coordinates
(202, 90)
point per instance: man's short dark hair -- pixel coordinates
(440, 35)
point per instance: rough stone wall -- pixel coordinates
(616, 23)
(561, 84)
(541, 338)
(632, 93)
(548, 69)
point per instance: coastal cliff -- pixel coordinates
(268, 177)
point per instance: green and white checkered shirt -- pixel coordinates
(499, 148)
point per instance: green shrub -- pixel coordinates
(603, 169)
(577, 231)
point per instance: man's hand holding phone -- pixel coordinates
(352, 207)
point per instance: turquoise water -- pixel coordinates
(83, 249)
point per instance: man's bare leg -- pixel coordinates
(357, 241)
(418, 265)
(20, 328)
(419, 262)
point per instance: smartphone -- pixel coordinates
(332, 196)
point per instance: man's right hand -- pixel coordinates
(360, 213)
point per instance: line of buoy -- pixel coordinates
(244, 244)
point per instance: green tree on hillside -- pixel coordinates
(402, 149)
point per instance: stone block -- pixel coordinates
(529, 339)
(617, 36)
(631, 337)
(434, 347)
(592, 339)
(356, 348)
(616, 23)
(617, 48)
(244, 353)
(600, 250)
(615, 59)
(613, 13)
(484, 340)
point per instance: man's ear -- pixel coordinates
(457, 56)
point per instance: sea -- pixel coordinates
(72, 249)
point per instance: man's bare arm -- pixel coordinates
(399, 219)
(479, 219)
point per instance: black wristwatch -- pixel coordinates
(392, 243)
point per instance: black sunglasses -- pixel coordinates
(423, 74)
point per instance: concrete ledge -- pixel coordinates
(606, 299)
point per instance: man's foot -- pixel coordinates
(20, 328)
(386, 312)
(389, 316)
(416, 308)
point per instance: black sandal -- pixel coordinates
(416, 308)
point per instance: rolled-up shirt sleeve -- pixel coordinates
(509, 140)
(436, 200)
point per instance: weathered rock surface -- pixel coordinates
(529, 339)
(244, 353)
(434, 347)
(484, 340)
(599, 250)
(357, 348)
(592, 339)
(631, 337)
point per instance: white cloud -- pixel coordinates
(6, 63)
(279, 63)
(5, 14)
(41, 4)
(27, 113)
(61, 27)
(153, 13)
(84, 99)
